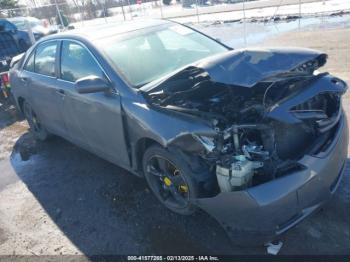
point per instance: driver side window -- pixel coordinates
(45, 58)
(29, 66)
(77, 62)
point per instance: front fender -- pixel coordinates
(167, 128)
(162, 126)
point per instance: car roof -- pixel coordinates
(110, 29)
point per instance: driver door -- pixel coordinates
(93, 120)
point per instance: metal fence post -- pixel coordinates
(105, 11)
(161, 8)
(130, 11)
(197, 11)
(244, 25)
(299, 14)
(82, 12)
(123, 11)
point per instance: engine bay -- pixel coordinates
(252, 145)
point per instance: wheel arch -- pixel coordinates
(140, 148)
(20, 101)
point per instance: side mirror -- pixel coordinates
(91, 84)
(70, 27)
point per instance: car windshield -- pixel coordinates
(22, 24)
(145, 55)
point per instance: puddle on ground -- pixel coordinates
(26, 146)
(238, 34)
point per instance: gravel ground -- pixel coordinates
(56, 198)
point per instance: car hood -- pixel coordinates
(40, 30)
(247, 67)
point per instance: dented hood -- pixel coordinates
(247, 67)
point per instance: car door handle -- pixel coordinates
(24, 79)
(60, 92)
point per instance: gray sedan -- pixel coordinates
(257, 138)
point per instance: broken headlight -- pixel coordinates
(206, 142)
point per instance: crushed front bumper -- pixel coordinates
(261, 213)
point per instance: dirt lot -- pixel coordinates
(58, 199)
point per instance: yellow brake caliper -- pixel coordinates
(183, 189)
(167, 181)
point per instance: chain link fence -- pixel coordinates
(84, 12)
(79, 13)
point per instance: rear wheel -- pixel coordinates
(170, 179)
(36, 127)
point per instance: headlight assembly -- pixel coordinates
(206, 142)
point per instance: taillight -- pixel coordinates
(5, 84)
(5, 79)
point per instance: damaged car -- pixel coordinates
(257, 138)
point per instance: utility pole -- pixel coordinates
(105, 9)
(244, 25)
(82, 12)
(161, 9)
(59, 13)
(197, 11)
(34, 3)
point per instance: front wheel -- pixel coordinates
(36, 127)
(170, 179)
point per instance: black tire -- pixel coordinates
(36, 127)
(160, 165)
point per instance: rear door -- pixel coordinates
(39, 75)
(93, 120)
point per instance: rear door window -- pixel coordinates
(45, 59)
(77, 62)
